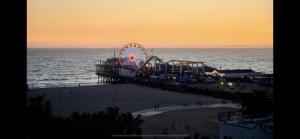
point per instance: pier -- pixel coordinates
(134, 66)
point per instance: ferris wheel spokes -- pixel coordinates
(132, 55)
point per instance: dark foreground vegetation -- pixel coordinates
(257, 103)
(43, 124)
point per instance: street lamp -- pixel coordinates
(230, 84)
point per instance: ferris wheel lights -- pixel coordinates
(132, 54)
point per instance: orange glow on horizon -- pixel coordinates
(152, 23)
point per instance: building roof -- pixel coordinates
(264, 122)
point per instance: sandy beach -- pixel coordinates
(128, 97)
(134, 98)
(203, 121)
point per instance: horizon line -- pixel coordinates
(152, 47)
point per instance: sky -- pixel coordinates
(152, 23)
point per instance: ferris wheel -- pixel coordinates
(133, 55)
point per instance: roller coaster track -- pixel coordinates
(144, 66)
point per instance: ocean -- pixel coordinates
(67, 67)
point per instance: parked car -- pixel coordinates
(154, 77)
(165, 76)
(186, 79)
(209, 80)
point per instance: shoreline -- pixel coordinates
(57, 87)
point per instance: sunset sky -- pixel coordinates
(152, 23)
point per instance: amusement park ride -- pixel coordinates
(134, 64)
(133, 61)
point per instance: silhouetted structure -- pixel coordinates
(257, 103)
